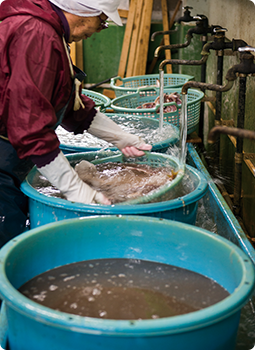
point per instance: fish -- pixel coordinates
(120, 182)
(168, 98)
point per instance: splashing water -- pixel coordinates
(183, 130)
(161, 111)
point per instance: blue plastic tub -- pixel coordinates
(32, 326)
(43, 209)
(151, 124)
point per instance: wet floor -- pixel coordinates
(246, 331)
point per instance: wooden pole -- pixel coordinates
(127, 39)
(135, 36)
(143, 40)
(166, 36)
(154, 61)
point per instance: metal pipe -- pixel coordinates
(239, 145)
(207, 86)
(201, 28)
(220, 129)
(183, 62)
(172, 46)
(163, 33)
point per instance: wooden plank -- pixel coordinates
(127, 39)
(135, 36)
(143, 41)
(73, 52)
(109, 93)
(79, 54)
(164, 10)
(154, 61)
(123, 13)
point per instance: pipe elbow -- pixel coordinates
(237, 132)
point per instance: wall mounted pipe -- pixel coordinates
(162, 32)
(202, 28)
(237, 132)
(183, 62)
(207, 86)
(244, 68)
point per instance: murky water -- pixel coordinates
(147, 131)
(123, 289)
(121, 182)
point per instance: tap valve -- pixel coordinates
(198, 18)
(246, 49)
(219, 30)
(186, 15)
(187, 8)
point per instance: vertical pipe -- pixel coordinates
(239, 145)
(202, 107)
(218, 105)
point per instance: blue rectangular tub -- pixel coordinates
(223, 222)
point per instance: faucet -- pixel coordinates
(185, 18)
(186, 15)
(202, 27)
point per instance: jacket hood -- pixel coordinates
(37, 8)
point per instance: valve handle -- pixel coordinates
(219, 30)
(199, 18)
(246, 49)
(187, 8)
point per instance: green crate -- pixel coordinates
(127, 104)
(131, 84)
(100, 100)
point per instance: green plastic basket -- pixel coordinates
(100, 100)
(131, 84)
(127, 104)
(154, 160)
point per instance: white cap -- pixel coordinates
(90, 8)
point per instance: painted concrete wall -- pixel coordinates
(238, 16)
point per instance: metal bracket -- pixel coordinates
(227, 122)
(249, 159)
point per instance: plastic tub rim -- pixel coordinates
(149, 110)
(198, 319)
(130, 89)
(179, 202)
(106, 100)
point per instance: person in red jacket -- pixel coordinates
(41, 89)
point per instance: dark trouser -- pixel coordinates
(13, 203)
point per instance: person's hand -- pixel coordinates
(60, 174)
(105, 128)
(101, 199)
(131, 151)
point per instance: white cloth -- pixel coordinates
(105, 128)
(60, 174)
(91, 8)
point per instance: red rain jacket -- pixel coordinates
(35, 78)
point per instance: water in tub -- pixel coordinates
(123, 289)
(123, 181)
(133, 125)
